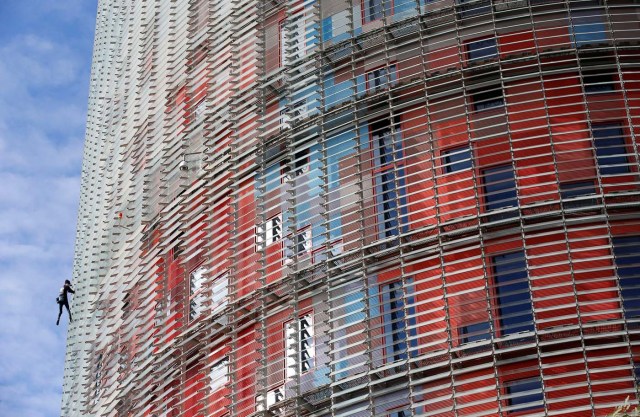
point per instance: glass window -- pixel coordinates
(300, 165)
(488, 99)
(468, 8)
(475, 332)
(292, 39)
(587, 25)
(395, 321)
(219, 374)
(219, 293)
(300, 348)
(598, 83)
(381, 77)
(524, 394)
(456, 159)
(401, 413)
(500, 190)
(404, 7)
(513, 297)
(373, 9)
(196, 283)
(273, 397)
(302, 245)
(270, 233)
(387, 149)
(611, 151)
(627, 255)
(571, 191)
(272, 177)
(482, 49)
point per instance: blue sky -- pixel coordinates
(45, 58)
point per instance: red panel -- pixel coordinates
(478, 395)
(531, 147)
(565, 376)
(247, 258)
(443, 59)
(193, 392)
(246, 356)
(466, 293)
(551, 282)
(570, 133)
(516, 43)
(418, 166)
(593, 271)
(430, 303)
(553, 37)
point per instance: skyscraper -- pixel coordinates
(359, 208)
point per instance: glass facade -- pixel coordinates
(359, 208)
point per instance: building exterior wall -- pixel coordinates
(359, 208)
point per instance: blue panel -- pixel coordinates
(524, 394)
(475, 332)
(588, 28)
(395, 321)
(627, 255)
(456, 159)
(512, 293)
(482, 49)
(500, 190)
(404, 7)
(610, 149)
(327, 29)
(373, 10)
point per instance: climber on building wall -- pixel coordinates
(63, 299)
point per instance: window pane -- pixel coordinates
(490, 99)
(573, 190)
(512, 293)
(482, 49)
(219, 374)
(475, 332)
(395, 324)
(588, 27)
(381, 77)
(627, 255)
(456, 159)
(196, 297)
(387, 149)
(300, 350)
(610, 149)
(525, 394)
(467, 8)
(598, 83)
(372, 10)
(219, 293)
(500, 189)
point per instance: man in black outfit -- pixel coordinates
(63, 299)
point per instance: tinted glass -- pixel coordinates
(610, 149)
(456, 159)
(395, 324)
(489, 99)
(512, 293)
(627, 255)
(482, 49)
(499, 187)
(524, 394)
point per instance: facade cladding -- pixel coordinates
(359, 208)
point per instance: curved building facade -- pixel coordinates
(359, 208)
